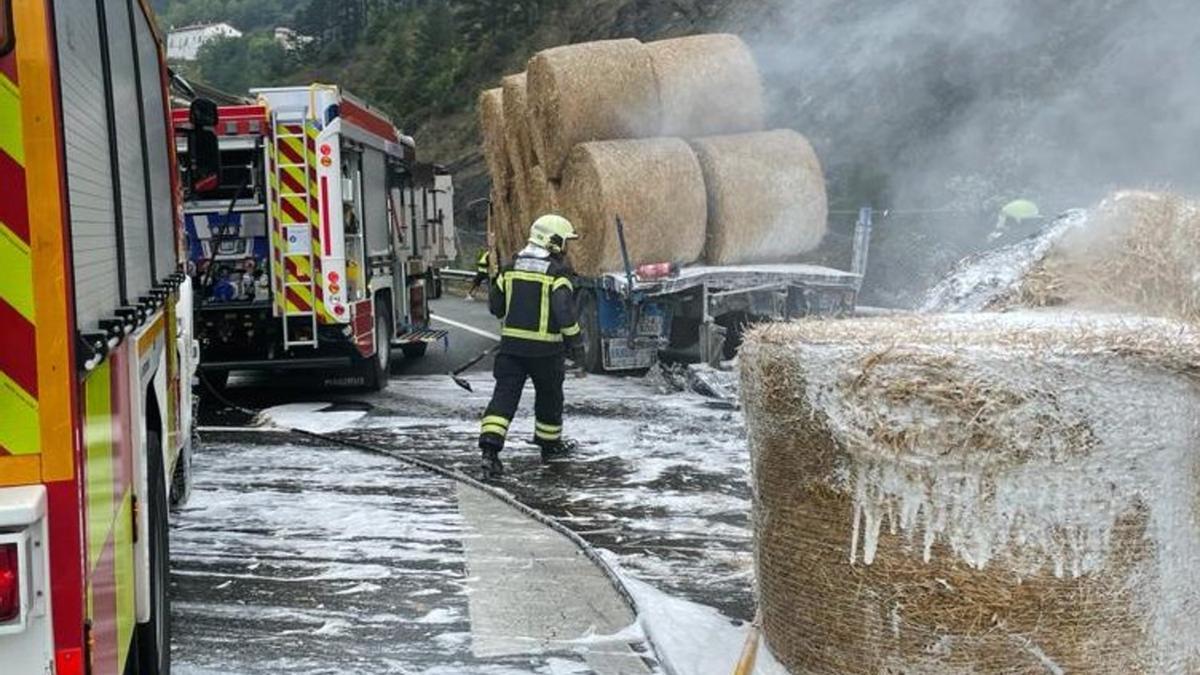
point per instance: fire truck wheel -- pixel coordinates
(153, 638)
(589, 325)
(375, 369)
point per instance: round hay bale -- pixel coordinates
(590, 92)
(543, 196)
(1010, 493)
(1137, 251)
(655, 186)
(708, 85)
(516, 121)
(492, 132)
(766, 197)
(498, 223)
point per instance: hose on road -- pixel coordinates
(549, 521)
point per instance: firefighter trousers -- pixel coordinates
(511, 372)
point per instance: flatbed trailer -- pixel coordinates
(697, 313)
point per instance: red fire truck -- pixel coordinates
(96, 352)
(312, 234)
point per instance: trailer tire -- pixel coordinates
(152, 640)
(588, 311)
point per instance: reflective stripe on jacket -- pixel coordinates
(481, 264)
(535, 300)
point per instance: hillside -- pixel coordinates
(941, 110)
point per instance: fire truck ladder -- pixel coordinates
(295, 214)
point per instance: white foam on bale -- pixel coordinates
(1053, 509)
(977, 282)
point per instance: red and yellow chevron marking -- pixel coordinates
(294, 196)
(20, 430)
(276, 232)
(299, 270)
(298, 299)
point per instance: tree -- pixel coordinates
(237, 64)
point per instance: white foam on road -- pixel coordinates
(311, 417)
(693, 639)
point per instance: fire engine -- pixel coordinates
(313, 234)
(96, 353)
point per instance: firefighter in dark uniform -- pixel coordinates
(535, 301)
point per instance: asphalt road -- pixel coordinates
(661, 482)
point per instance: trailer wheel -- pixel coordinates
(589, 331)
(153, 638)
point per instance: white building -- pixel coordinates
(183, 44)
(290, 39)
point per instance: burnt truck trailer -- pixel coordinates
(313, 234)
(697, 313)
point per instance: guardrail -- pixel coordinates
(456, 274)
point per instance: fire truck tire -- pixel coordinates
(589, 332)
(414, 350)
(153, 638)
(375, 369)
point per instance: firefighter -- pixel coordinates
(1015, 220)
(481, 273)
(535, 301)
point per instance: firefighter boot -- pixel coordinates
(492, 468)
(556, 450)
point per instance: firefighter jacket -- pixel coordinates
(481, 263)
(534, 299)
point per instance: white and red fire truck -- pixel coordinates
(96, 354)
(313, 243)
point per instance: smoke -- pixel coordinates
(960, 104)
(948, 109)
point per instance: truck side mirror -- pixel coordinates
(204, 155)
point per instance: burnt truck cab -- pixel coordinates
(301, 241)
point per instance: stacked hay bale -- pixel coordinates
(587, 92)
(497, 158)
(977, 493)
(655, 186)
(766, 196)
(708, 85)
(765, 191)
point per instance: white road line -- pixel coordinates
(239, 430)
(469, 329)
